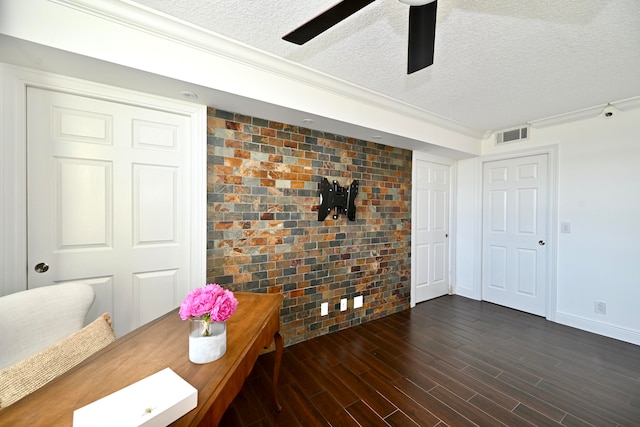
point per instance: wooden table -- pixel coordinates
(159, 344)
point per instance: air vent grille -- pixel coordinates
(512, 135)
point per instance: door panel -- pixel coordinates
(153, 292)
(432, 224)
(498, 266)
(527, 274)
(527, 211)
(104, 289)
(83, 207)
(439, 262)
(514, 270)
(155, 190)
(108, 202)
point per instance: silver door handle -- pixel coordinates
(41, 267)
(541, 243)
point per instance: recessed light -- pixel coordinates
(188, 95)
(377, 136)
(307, 120)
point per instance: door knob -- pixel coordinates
(541, 243)
(41, 267)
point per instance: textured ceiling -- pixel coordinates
(497, 64)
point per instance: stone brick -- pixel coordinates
(263, 234)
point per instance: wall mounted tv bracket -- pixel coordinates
(341, 199)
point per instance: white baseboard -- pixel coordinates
(465, 292)
(599, 328)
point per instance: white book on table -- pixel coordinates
(157, 400)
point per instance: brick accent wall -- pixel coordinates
(263, 228)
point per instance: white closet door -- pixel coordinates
(108, 203)
(514, 258)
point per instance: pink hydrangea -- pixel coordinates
(210, 301)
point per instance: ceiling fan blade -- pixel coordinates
(422, 36)
(325, 20)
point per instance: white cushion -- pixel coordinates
(32, 320)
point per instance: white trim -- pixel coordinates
(552, 218)
(597, 327)
(627, 104)
(475, 292)
(199, 156)
(477, 235)
(418, 155)
(453, 214)
(3, 192)
(13, 174)
(586, 113)
(13, 189)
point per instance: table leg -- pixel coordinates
(276, 368)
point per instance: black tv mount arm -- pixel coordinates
(341, 199)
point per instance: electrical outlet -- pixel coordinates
(601, 307)
(324, 309)
(358, 301)
(343, 304)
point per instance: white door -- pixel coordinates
(514, 250)
(431, 220)
(108, 203)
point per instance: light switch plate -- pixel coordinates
(324, 309)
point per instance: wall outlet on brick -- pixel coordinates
(343, 304)
(324, 309)
(358, 301)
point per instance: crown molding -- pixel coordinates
(158, 24)
(627, 104)
(586, 113)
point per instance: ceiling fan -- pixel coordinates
(422, 28)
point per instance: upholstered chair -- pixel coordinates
(33, 320)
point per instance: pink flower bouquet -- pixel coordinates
(212, 303)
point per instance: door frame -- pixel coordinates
(451, 163)
(552, 217)
(13, 164)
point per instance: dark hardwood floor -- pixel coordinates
(448, 362)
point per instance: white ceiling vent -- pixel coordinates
(512, 135)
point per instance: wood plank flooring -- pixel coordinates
(452, 362)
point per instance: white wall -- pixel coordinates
(599, 195)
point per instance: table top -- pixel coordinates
(162, 343)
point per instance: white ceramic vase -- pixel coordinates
(207, 340)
